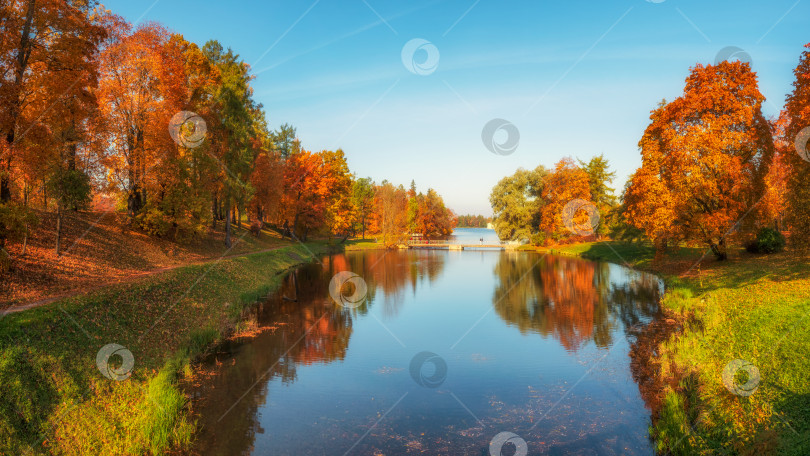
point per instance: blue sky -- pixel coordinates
(577, 78)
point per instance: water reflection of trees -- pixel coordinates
(306, 327)
(302, 326)
(390, 273)
(573, 300)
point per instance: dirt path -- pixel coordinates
(128, 279)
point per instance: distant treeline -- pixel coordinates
(472, 221)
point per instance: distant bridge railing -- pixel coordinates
(438, 242)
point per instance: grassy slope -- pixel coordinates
(753, 307)
(53, 399)
(99, 248)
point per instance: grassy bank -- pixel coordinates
(55, 400)
(754, 308)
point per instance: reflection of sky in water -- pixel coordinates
(474, 235)
(516, 330)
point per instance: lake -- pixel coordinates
(469, 352)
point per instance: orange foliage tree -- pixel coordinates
(797, 153)
(704, 160)
(566, 182)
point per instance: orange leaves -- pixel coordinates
(795, 121)
(565, 183)
(704, 159)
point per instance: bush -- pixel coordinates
(256, 227)
(768, 240)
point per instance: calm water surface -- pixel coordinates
(523, 343)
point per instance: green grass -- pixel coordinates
(363, 244)
(754, 308)
(54, 400)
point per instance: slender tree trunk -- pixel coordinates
(214, 212)
(58, 228)
(227, 222)
(25, 240)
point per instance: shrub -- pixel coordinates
(256, 227)
(768, 240)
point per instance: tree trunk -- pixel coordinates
(58, 228)
(719, 250)
(227, 222)
(25, 240)
(214, 212)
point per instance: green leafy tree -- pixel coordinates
(602, 195)
(363, 200)
(516, 204)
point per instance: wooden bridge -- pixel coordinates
(438, 244)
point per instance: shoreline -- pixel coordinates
(677, 389)
(56, 398)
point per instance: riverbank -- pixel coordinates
(55, 400)
(753, 308)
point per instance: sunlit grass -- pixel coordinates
(754, 308)
(53, 399)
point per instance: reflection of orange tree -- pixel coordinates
(320, 328)
(563, 297)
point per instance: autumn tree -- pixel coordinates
(796, 140)
(391, 213)
(565, 183)
(139, 93)
(48, 74)
(41, 39)
(704, 159)
(335, 188)
(433, 218)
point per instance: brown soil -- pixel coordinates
(99, 249)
